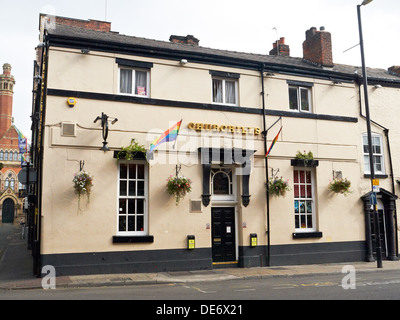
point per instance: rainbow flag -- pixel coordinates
(170, 135)
(273, 142)
(22, 142)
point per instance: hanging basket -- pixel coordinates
(340, 186)
(178, 187)
(83, 184)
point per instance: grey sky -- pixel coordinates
(245, 26)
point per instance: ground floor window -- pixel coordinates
(132, 208)
(304, 209)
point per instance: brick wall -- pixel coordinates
(317, 48)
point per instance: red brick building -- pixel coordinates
(11, 210)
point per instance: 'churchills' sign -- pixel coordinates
(224, 128)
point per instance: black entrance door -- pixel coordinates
(223, 234)
(382, 231)
(8, 211)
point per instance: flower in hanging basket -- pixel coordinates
(278, 186)
(178, 187)
(83, 184)
(340, 186)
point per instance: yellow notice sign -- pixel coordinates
(375, 182)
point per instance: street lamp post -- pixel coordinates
(370, 150)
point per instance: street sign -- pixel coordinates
(23, 176)
(372, 198)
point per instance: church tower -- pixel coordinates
(7, 83)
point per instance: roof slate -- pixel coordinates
(63, 31)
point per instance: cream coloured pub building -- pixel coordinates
(232, 106)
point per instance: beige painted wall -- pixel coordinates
(66, 229)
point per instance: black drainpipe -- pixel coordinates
(266, 166)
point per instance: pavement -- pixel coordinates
(16, 270)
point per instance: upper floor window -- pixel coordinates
(225, 87)
(134, 77)
(225, 91)
(377, 154)
(300, 96)
(134, 82)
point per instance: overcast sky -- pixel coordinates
(248, 26)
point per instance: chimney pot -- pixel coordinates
(279, 48)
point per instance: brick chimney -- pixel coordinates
(317, 48)
(395, 70)
(280, 48)
(189, 39)
(96, 25)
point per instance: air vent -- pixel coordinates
(195, 206)
(68, 129)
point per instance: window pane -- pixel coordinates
(140, 188)
(140, 223)
(221, 183)
(296, 206)
(140, 171)
(122, 223)
(125, 81)
(122, 206)
(131, 223)
(309, 206)
(309, 221)
(131, 206)
(230, 92)
(305, 103)
(123, 171)
(217, 91)
(140, 206)
(366, 164)
(122, 188)
(132, 188)
(141, 83)
(132, 171)
(308, 176)
(378, 163)
(302, 191)
(297, 221)
(293, 101)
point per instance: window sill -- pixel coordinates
(307, 235)
(133, 239)
(378, 176)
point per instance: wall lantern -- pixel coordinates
(191, 242)
(253, 240)
(104, 125)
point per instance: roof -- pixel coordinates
(78, 37)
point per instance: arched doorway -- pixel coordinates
(8, 211)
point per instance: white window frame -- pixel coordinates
(134, 70)
(299, 89)
(224, 197)
(367, 169)
(224, 90)
(307, 198)
(145, 197)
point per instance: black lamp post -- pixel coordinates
(370, 150)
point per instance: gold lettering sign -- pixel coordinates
(224, 128)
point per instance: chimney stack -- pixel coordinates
(317, 48)
(189, 39)
(395, 70)
(280, 48)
